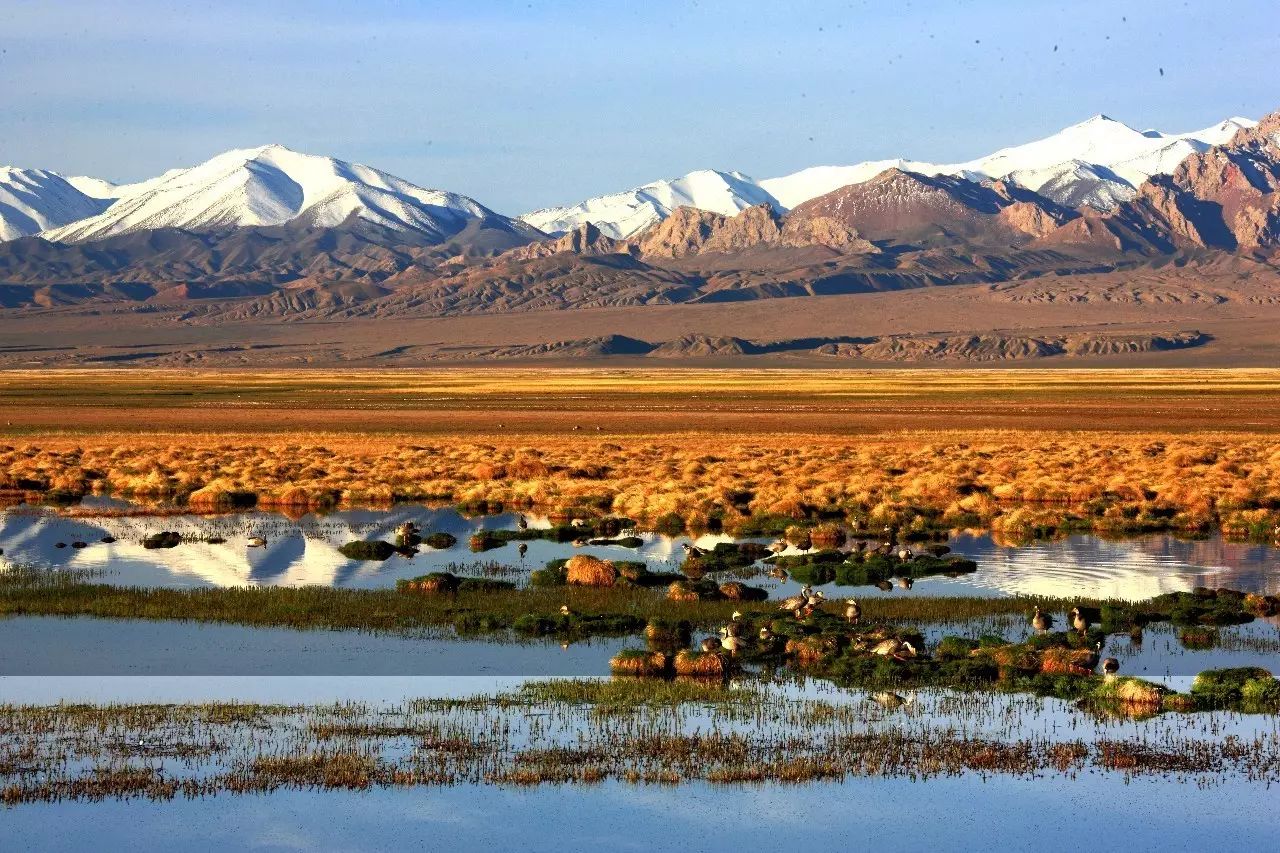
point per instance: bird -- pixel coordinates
(853, 611)
(565, 611)
(729, 642)
(693, 550)
(1041, 621)
(906, 583)
(777, 573)
(733, 629)
(904, 554)
(806, 590)
(894, 648)
(794, 604)
(1078, 620)
(711, 644)
(522, 522)
(523, 549)
(777, 546)
(257, 542)
(1110, 666)
(737, 616)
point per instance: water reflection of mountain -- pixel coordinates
(305, 551)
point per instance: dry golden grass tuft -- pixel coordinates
(1188, 450)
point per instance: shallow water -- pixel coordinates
(971, 811)
(944, 814)
(51, 645)
(305, 551)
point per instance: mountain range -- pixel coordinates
(1098, 213)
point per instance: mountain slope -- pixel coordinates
(273, 185)
(32, 200)
(1098, 163)
(623, 214)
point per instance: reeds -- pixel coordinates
(571, 731)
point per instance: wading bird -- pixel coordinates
(853, 611)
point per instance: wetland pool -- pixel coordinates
(303, 551)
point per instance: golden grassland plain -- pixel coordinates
(1020, 451)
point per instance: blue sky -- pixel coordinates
(527, 104)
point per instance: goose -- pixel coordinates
(884, 586)
(814, 599)
(578, 522)
(906, 583)
(733, 629)
(693, 550)
(580, 542)
(523, 549)
(777, 546)
(777, 573)
(806, 591)
(894, 648)
(737, 616)
(1078, 620)
(522, 522)
(853, 611)
(904, 555)
(1110, 666)
(729, 642)
(1041, 621)
(711, 644)
(793, 604)
(257, 542)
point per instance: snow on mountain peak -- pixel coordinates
(620, 215)
(32, 200)
(274, 185)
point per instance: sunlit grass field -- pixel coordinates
(1017, 450)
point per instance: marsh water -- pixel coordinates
(303, 550)
(45, 660)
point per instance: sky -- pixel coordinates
(530, 104)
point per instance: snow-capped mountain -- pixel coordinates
(273, 185)
(1099, 162)
(626, 213)
(32, 200)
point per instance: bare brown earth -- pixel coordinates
(1105, 320)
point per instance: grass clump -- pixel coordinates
(371, 549)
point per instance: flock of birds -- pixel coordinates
(1044, 622)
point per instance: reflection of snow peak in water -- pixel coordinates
(296, 553)
(305, 551)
